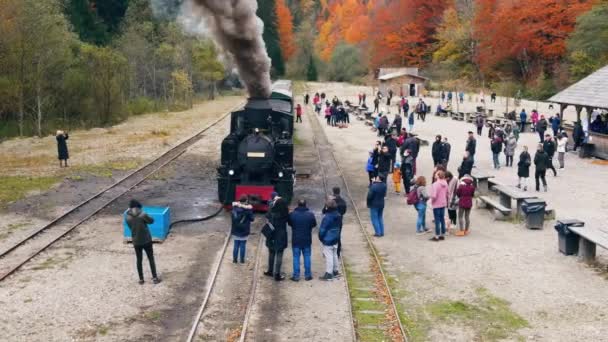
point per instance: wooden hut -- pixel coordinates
(590, 94)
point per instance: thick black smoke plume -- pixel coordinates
(236, 28)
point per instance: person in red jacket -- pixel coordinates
(465, 193)
(299, 113)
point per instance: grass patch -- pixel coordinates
(53, 262)
(489, 316)
(14, 188)
(152, 316)
(160, 133)
(13, 227)
(106, 170)
(368, 319)
(373, 335)
(359, 305)
(296, 140)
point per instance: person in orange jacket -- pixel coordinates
(397, 177)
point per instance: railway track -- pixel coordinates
(326, 153)
(17, 255)
(194, 330)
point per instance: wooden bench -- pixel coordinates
(506, 194)
(489, 202)
(589, 238)
(481, 179)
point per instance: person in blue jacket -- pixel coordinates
(242, 216)
(555, 124)
(523, 116)
(375, 203)
(370, 167)
(302, 222)
(329, 235)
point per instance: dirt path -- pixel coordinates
(501, 282)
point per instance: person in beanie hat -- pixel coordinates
(138, 221)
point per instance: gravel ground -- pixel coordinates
(85, 287)
(498, 261)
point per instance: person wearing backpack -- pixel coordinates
(464, 193)
(418, 197)
(242, 216)
(407, 170)
(329, 235)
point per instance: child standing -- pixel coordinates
(397, 177)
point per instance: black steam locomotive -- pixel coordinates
(257, 155)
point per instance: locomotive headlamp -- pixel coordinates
(280, 174)
(231, 172)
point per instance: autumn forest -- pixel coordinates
(87, 63)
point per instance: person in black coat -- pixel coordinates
(407, 170)
(384, 162)
(471, 146)
(437, 150)
(466, 167)
(578, 135)
(523, 168)
(541, 162)
(302, 222)
(391, 143)
(398, 123)
(278, 217)
(446, 148)
(62, 148)
(549, 147)
(496, 146)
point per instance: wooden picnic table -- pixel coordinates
(589, 238)
(481, 179)
(506, 194)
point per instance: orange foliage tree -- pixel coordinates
(404, 32)
(342, 21)
(531, 34)
(285, 28)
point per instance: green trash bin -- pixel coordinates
(534, 209)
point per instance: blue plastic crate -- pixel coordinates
(159, 229)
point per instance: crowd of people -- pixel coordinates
(302, 222)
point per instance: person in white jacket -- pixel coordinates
(562, 141)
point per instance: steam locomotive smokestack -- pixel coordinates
(235, 26)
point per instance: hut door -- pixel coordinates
(413, 90)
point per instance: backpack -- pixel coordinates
(412, 197)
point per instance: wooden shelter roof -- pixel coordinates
(591, 91)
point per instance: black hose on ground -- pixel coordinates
(200, 219)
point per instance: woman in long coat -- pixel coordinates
(523, 168)
(62, 147)
(278, 215)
